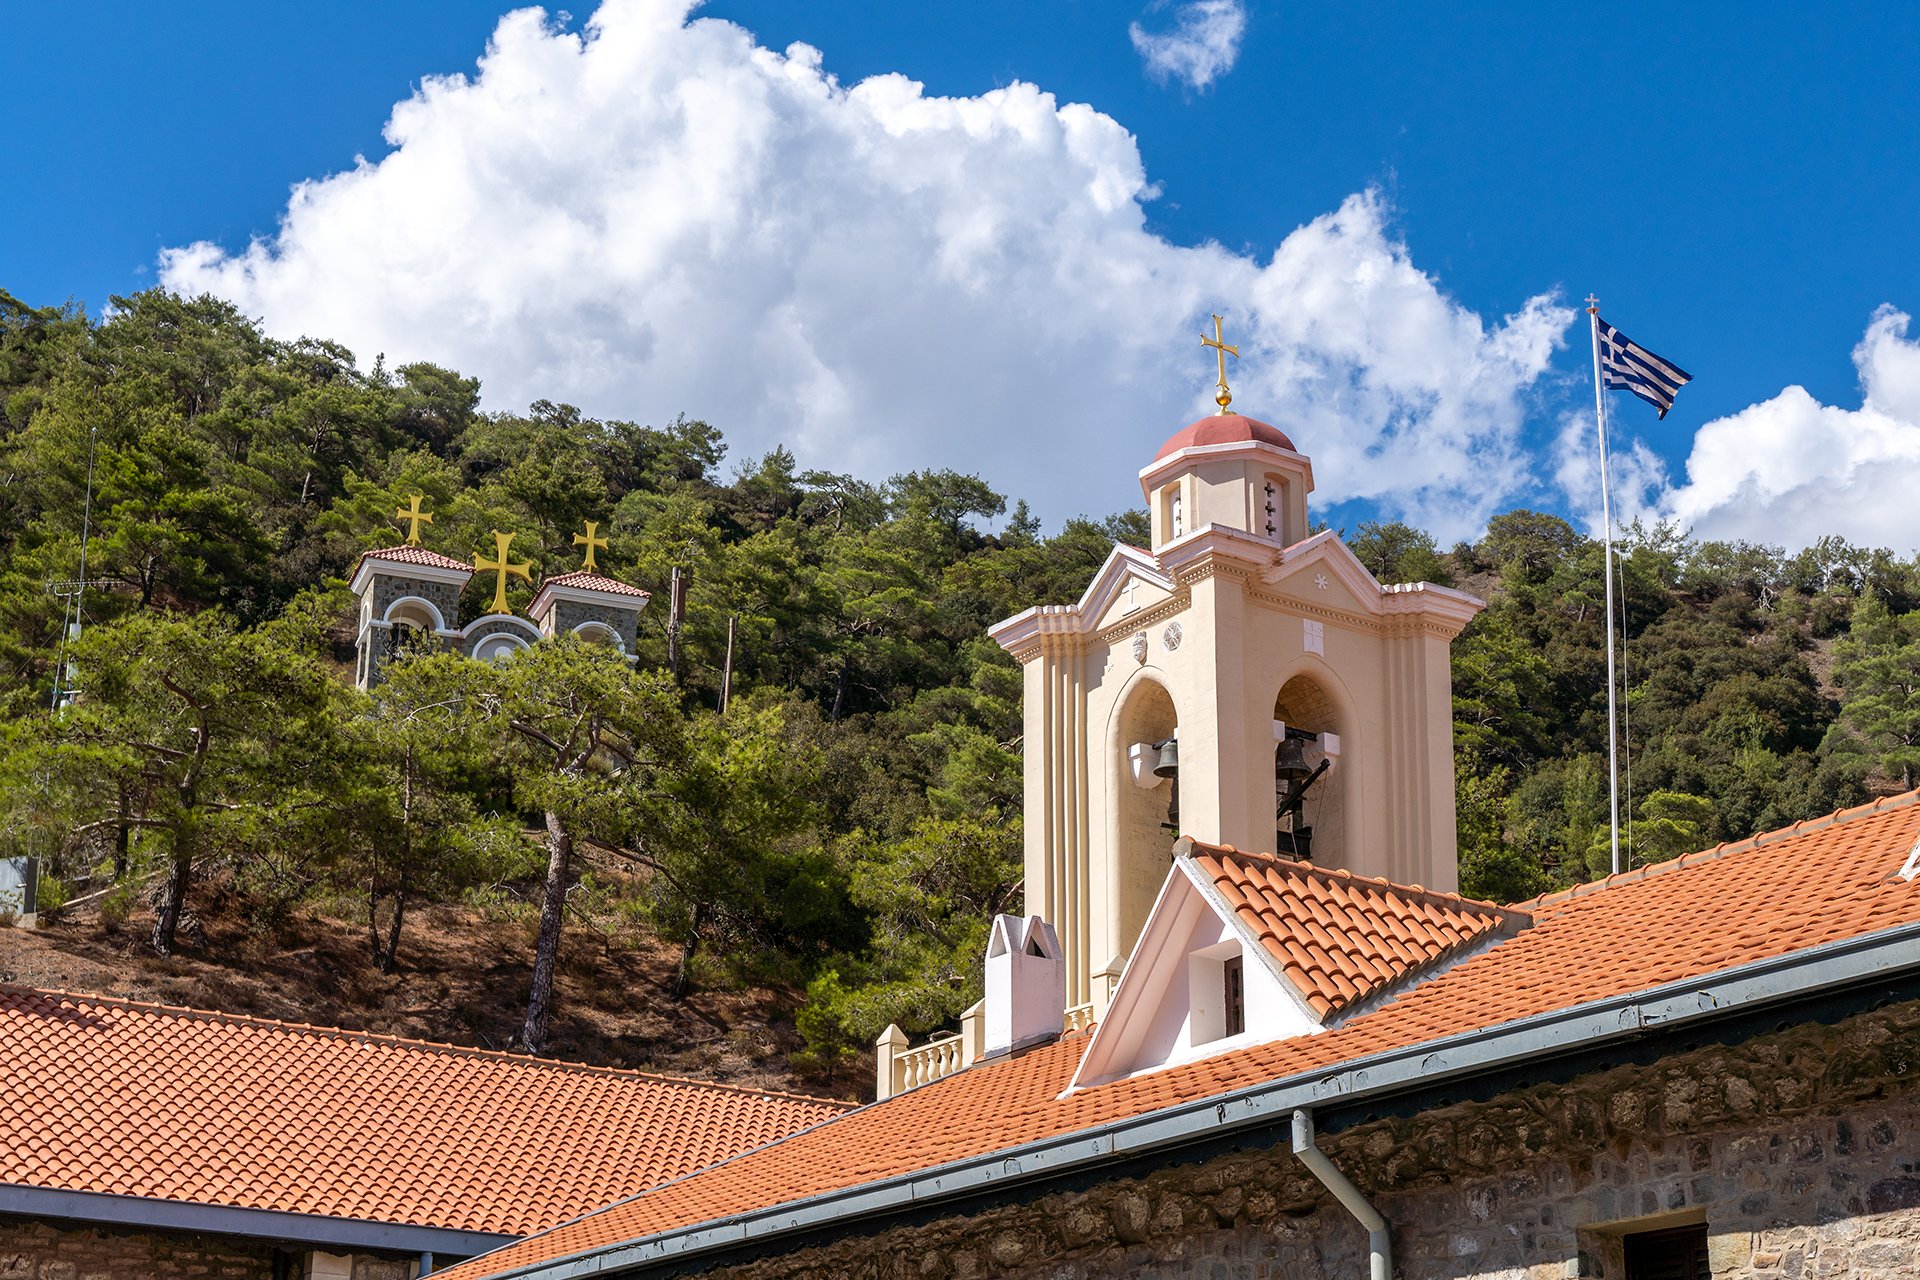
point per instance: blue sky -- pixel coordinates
(1737, 183)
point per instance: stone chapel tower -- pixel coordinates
(1233, 629)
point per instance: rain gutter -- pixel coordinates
(1885, 956)
(1379, 1238)
(314, 1230)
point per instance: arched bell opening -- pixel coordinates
(599, 633)
(1309, 799)
(1148, 805)
(498, 648)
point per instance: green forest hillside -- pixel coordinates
(851, 822)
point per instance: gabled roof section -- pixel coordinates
(414, 555)
(399, 560)
(114, 1097)
(1123, 562)
(581, 580)
(1344, 939)
(1760, 903)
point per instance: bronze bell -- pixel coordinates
(1169, 766)
(1290, 760)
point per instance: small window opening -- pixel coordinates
(1272, 529)
(1179, 526)
(1676, 1254)
(1033, 945)
(1236, 997)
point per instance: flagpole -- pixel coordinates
(1606, 516)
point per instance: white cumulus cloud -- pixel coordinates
(1202, 46)
(657, 215)
(1790, 469)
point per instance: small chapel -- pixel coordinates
(410, 595)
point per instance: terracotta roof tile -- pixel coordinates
(143, 1100)
(585, 581)
(1765, 897)
(1343, 938)
(411, 555)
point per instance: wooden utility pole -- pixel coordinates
(676, 615)
(726, 676)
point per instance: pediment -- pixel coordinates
(1282, 948)
(1323, 570)
(1130, 581)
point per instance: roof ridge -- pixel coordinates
(1806, 826)
(426, 1046)
(1328, 875)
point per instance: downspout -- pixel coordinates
(1379, 1241)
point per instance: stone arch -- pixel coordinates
(1311, 699)
(594, 632)
(1140, 849)
(498, 646)
(415, 611)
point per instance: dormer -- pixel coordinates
(1231, 471)
(1248, 948)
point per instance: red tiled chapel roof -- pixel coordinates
(1763, 898)
(111, 1096)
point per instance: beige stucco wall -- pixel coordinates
(1095, 853)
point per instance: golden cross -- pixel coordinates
(414, 517)
(1221, 349)
(501, 541)
(590, 542)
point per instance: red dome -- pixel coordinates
(1225, 428)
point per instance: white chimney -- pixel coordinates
(1026, 984)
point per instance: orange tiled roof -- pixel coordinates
(411, 555)
(1767, 897)
(586, 581)
(1342, 937)
(142, 1100)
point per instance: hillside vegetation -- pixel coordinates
(218, 795)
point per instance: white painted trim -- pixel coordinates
(550, 593)
(401, 569)
(439, 621)
(1156, 473)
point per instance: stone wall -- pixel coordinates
(568, 614)
(1800, 1150)
(444, 596)
(35, 1251)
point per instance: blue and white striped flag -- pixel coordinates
(1627, 366)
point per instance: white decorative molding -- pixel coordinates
(1313, 635)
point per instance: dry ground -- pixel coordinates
(463, 979)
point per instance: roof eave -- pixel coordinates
(196, 1218)
(1884, 955)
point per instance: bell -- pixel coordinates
(1169, 766)
(1290, 760)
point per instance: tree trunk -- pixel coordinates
(389, 960)
(123, 834)
(683, 976)
(168, 917)
(546, 950)
(840, 693)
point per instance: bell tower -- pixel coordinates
(1257, 682)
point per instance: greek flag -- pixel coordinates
(1627, 366)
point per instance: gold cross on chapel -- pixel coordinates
(414, 517)
(1222, 350)
(501, 541)
(590, 542)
